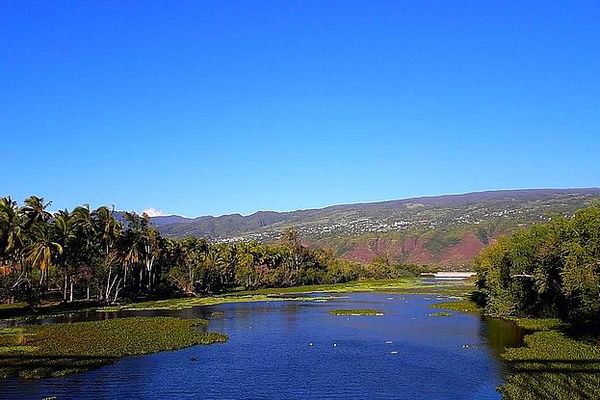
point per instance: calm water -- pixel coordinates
(269, 356)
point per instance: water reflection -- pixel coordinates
(501, 334)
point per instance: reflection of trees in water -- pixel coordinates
(569, 384)
(501, 334)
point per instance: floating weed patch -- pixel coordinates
(552, 366)
(61, 349)
(407, 285)
(109, 309)
(551, 385)
(463, 305)
(357, 312)
(538, 324)
(547, 350)
(440, 314)
(17, 349)
(401, 285)
(179, 304)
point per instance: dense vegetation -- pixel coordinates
(548, 270)
(60, 349)
(99, 255)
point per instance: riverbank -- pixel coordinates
(62, 349)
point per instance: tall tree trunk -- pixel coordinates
(141, 278)
(108, 283)
(65, 289)
(71, 298)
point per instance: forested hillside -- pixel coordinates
(444, 230)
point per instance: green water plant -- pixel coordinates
(356, 312)
(61, 349)
(440, 314)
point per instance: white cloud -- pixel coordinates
(153, 212)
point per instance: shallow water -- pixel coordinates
(405, 354)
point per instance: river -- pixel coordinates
(297, 350)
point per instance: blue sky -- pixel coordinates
(217, 107)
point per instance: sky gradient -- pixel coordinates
(218, 107)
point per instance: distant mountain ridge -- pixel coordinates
(448, 229)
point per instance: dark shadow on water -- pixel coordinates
(501, 334)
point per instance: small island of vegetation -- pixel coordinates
(60, 349)
(357, 312)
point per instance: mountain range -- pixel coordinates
(447, 230)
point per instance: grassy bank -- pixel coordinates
(60, 349)
(461, 305)
(552, 366)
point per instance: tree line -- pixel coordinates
(547, 270)
(99, 254)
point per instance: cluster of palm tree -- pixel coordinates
(104, 255)
(107, 256)
(83, 249)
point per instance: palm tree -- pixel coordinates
(41, 252)
(12, 238)
(109, 231)
(35, 210)
(107, 226)
(213, 263)
(151, 251)
(84, 247)
(64, 235)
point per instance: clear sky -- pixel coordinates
(213, 107)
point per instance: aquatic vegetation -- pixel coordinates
(188, 302)
(398, 285)
(401, 285)
(464, 305)
(60, 349)
(547, 350)
(440, 314)
(356, 312)
(264, 295)
(553, 366)
(549, 385)
(538, 324)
